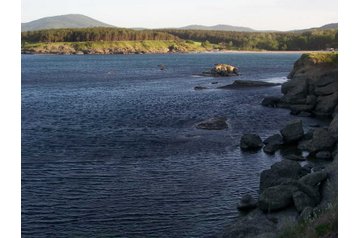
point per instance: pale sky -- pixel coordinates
(257, 14)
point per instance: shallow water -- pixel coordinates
(110, 149)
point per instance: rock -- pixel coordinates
(327, 89)
(295, 87)
(325, 155)
(200, 88)
(247, 203)
(309, 134)
(308, 167)
(294, 157)
(301, 200)
(322, 140)
(326, 105)
(271, 101)
(311, 100)
(250, 142)
(306, 214)
(280, 172)
(304, 114)
(327, 78)
(214, 83)
(217, 123)
(297, 108)
(271, 148)
(238, 84)
(276, 198)
(223, 70)
(292, 132)
(333, 127)
(274, 139)
(273, 143)
(314, 179)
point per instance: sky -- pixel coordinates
(257, 14)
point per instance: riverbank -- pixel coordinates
(298, 195)
(136, 47)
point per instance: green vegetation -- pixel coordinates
(308, 40)
(322, 224)
(115, 47)
(329, 58)
(88, 39)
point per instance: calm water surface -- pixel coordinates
(110, 149)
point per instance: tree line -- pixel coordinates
(93, 34)
(308, 40)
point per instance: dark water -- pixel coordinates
(109, 147)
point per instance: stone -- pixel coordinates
(327, 89)
(322, 140)
(274, 139)
(273, 143)
(306, 214)
(247, 203)
(294, 157)
(314, 179)
(271, 101)
(200, 88)
(325, 155)
(217, 123)
(292, 132)
(238, 84)
(271, 148)
(250, 142)
(326, 105)
(301, 200)
(276, 198)
(280, 172)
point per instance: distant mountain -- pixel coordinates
(63, 21)
(217, 28)
(331, 26)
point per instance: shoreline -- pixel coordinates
(190, 52)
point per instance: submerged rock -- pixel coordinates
(238, 84)
(250, 142)
(217, 123)
(200, 88)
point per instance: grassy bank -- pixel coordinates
(116, 47)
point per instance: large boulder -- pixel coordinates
(250, 142)
(273, 143)
(216, 123)
(322, 140)
(271, 101)
(281, 172)
(326, 105)
(276, 198)
(314, 179)
(292, 132)
(327, 89)
(301, 200)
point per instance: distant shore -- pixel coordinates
(135, 47)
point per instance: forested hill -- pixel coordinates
(308, 40)
(63, 21)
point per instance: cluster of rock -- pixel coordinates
(222, 70)
(312, 89)
(289, 192)
(319, 143)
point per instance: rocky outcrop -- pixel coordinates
(250, 142)
(312, 88)
(223, 70)
(216, 123)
